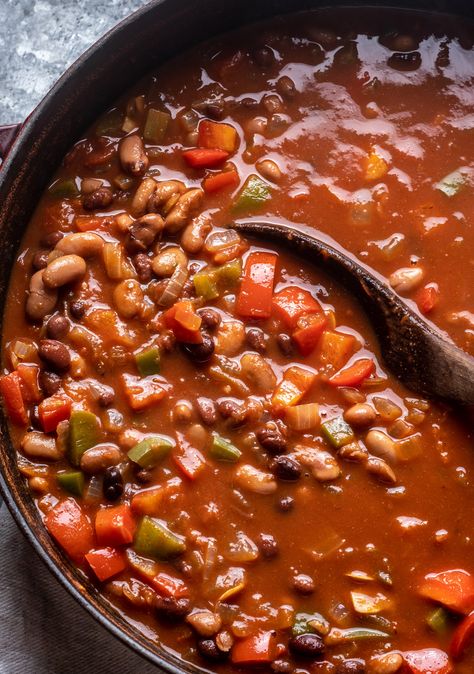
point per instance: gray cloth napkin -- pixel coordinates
(43, 630)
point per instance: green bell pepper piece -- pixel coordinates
(253, 195)
(230, 272)
(154, 539)
(155, 125)
(223, 450)
(84, 433)
(337, 432)
(205, 285)
(148, 361)
(302, 624)
(342, 636)
(64, 189)
(150, 451)
(438, 620)
(71, 481)
(111, 123)
(453, 183)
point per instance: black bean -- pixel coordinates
(35, 418)
(57, 326)
(142, 264)
(303, 584)
(50, 382)
(267, 546)
(281, 666)
(231, 410)
(171, 608)
(40, 260)
(210, 319)
(264, 57)
(51, 239)
(352, 666)
(113, 483)
(307, 646)
(257, 339)
(100, 198)
(207, 648)
(199, 353)
(405, 61)
(285, 468)
(286, 87)
(286, 504)
(55, 354)
(207, 411)
(285, 344)
(77, 309)
(213, 108)
(271, 439)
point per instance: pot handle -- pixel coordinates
(7, 137)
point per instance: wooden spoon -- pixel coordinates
(421, 357)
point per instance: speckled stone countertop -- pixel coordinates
(43, 630)
(39, 39)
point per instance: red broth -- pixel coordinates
(206, 425)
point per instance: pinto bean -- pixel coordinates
(208, 649)
(258, 372)
(128, 298)
(324, 466)
(230, 338)
(143, 195)
(100, 198)
(132, 155)
(171, 608)
(285, 468)
(84, 244)
(272, 439)
(89, 185)
(143, 232)
(142, 264)
(303, 584)
(186, 205)
(37, 445)
(194, 234)
(386, 663)
(360, 414)
(207, 411)
(63, 270)
(381, 445)
(252, 479)
(41, 300)
(381, 470)
(205, 622)
(50, 382)
(167, 260)
(210, 319)
(406, 279)
(98, 458)
(55, 354)
(163, 192)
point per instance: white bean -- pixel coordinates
(41, 300)
(63, 270)
(128, 298)
(406, 279)
(381, 445)
(258, 372)
(37, 445)
(167, 260)
(252, 479)
(360, 414)
(84, 244)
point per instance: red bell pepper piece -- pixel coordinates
(295, 384)
(29, 382)
(185, 323)
(169, 586)
(219, 181)
(355, 374)
(256, 289)
(204, 158)
(336, 348)
(309, 330)
(427, 661)
(188, 459)
(292, 302)
(53, 410)
(217, 135)
(115, 526)
(106, 562)
(427, 298)
(254, 650)
(10, 388)
(71, 528)
(453, 588)
(463, 634)
(142, 392)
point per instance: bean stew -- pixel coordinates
(205, 424)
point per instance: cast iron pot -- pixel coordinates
(148, 37)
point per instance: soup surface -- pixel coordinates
(205, 422)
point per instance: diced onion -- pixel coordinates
(367, 604)
(242, 550)
(22, 350)
(174, 287)
(94, 489)
(303, 417)
(220, 240)
(116, 264)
